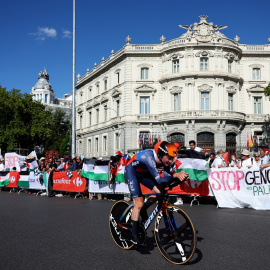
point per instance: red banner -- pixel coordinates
(14, 178)
(187, 188)
(63, 183)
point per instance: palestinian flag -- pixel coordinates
(32, 163)
(196, 168)
(4, 179)
(87, 171)
(13, 179)
(24, 179)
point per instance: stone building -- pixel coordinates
(202, 86)
(44, 92)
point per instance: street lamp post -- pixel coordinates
(118, 132)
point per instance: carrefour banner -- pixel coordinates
(102, 187)
(74, 183)
(233, 187)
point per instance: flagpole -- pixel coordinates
(73, 148)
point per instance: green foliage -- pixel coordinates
(60, 133)
(26, 123)
(267, 90)
(23, 120)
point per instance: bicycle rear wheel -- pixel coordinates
(119, 235)
(175, 235)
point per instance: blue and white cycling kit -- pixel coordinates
(142, 169)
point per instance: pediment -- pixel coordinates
(204, 53)
(116, 92)
(80, 109)
(231, 89)
(104, 99)
(89, 105)
(205, 88)
(256, 88)
(145, 89)
(176, 89)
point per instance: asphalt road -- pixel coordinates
(63, 233)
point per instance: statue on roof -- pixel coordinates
(203, 31)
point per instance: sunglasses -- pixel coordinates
(257, 156)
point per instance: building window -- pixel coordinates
(175, 66)
(144, 73)
(256, 74)
(90, 119)
(176, 102)
(96, 144)
(105, 85)
(257, 105)
(90, 92)
(118, 107)
(144, 105)
(105, 113)
(97, 89)
(229, 66)
(46, 98)
(118, 77)
(97, 116)
(203, 64)
(89, 146)
(105, 143)
(116, 143)
(81, 122)
(204, 101)
(230, 102)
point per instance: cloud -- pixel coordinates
(44, 32)
(66, 34)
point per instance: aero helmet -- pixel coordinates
(165, 148)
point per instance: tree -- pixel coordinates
(267, 90)
(60, 133)
(24, 122)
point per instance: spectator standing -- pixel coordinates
(79, 163)
(192, 152)
(211, 159)
(219, 161)
(234, 161)
(258, 161)
(61, 165)
(247, 161)
(2, 167)
(72, 165)
(264, 157)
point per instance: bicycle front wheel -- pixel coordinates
(175, 235)
(120, 236)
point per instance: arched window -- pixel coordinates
(206, 140)
(231, 143)
(179, 138)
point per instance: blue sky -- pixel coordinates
(37, 34)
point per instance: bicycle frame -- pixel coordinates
(169, 223)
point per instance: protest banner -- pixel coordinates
(102, 187)
(14, 160)
(36, 181)
(243, 187)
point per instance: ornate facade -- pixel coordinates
(202, 86)
(44, 93)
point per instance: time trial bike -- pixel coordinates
(173, 229)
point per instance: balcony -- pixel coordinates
(257, 117)
(202, 114)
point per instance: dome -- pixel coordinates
(43, 81)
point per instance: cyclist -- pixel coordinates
(143, 169)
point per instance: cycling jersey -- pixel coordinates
(142, 169)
